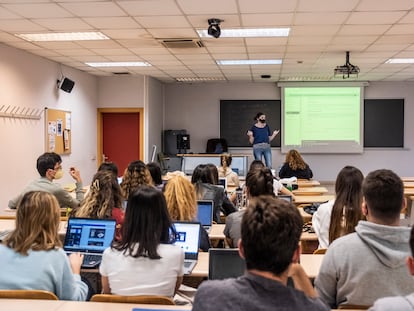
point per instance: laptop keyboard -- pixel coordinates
(4, 233)
(187, 264)
(88, 258)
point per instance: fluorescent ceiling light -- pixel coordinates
(400, 61)
(119, 64)
(244, 33)
(200, 79)
(250, 62)
(63, 36)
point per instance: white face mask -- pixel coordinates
(58, 174)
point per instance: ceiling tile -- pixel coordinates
(91, 9)
(38, 10)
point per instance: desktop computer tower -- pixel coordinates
(169, 141)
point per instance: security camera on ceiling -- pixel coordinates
(347, 70)
(214, 27)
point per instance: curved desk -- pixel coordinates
(190, 161)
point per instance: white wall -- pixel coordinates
(154, 116)
(195, 107)
(29, 81)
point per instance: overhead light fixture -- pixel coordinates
(63, 36)
(118, 64)
(347, 70)
(214, 27)
(250, 62)
(400, 61)
(248, 32)
(201, 79)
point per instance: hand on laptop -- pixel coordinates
(75, 260)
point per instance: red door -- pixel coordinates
(121, 133)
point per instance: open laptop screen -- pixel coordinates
(205, 212)
(225, 263)
(87, 235)
(285, 197)
(188, 238)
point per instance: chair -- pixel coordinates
(354, 307)
(27, 294)
(163, 160)
(144, 299)
(319, 251)
(216, 145)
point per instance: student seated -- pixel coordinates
(205, 178)
(360, 267)
(271, 230)
(31, 256)
(143, 262)
(136, 175)
(49, 166)
(338, 217)
(399, 303)
(295, 166)
(181, 201)
(225, 170)
(156, 174)
(103, 201)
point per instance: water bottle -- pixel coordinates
(239, 197)
(289, 186)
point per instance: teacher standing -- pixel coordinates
(261, 136)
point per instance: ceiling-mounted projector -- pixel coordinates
(346, 71)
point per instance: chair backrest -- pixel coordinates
(27, 294)
(144, 299)
(319, 251)
(216, 145)
(354, 307)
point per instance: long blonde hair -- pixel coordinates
(295, 160)
(37, 223)
(135, 175)
(180, 195)
(104, 195)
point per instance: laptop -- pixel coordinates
(188, 238)
(285, 197)
(205, 213)
(89, 237)
(225, 263)
(222, 182)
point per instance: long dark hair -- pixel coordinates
(147, 224)
(346, 211)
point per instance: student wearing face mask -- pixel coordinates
(49, 166)
(260, 137)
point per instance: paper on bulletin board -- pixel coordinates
(51, 128)
(66, 139)
(68, 121)
(51, 143)
(59, 124)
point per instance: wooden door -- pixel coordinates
(120, 136)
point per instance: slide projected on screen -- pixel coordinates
(322, 119)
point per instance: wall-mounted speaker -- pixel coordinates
(66, 84)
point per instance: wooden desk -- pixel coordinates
(310, 191)
(216, 232)
(311, 264)
(9, 224)
(308, 183)
(409, 191)
(407, 179)
(307, 199)
(63, 305)
(408, 184)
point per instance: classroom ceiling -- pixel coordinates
(321, 32)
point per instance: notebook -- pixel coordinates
(225, 263)
(205, 213)
(188, 238)
(89, 237)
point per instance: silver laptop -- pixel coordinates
(285, 197)
(188, 238)
(222, 182)
(89, 237)
(205, 213)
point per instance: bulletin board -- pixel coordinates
(58, 131)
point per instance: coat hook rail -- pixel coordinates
(20, 112)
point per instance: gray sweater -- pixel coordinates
(366, 265)
(398, 303)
